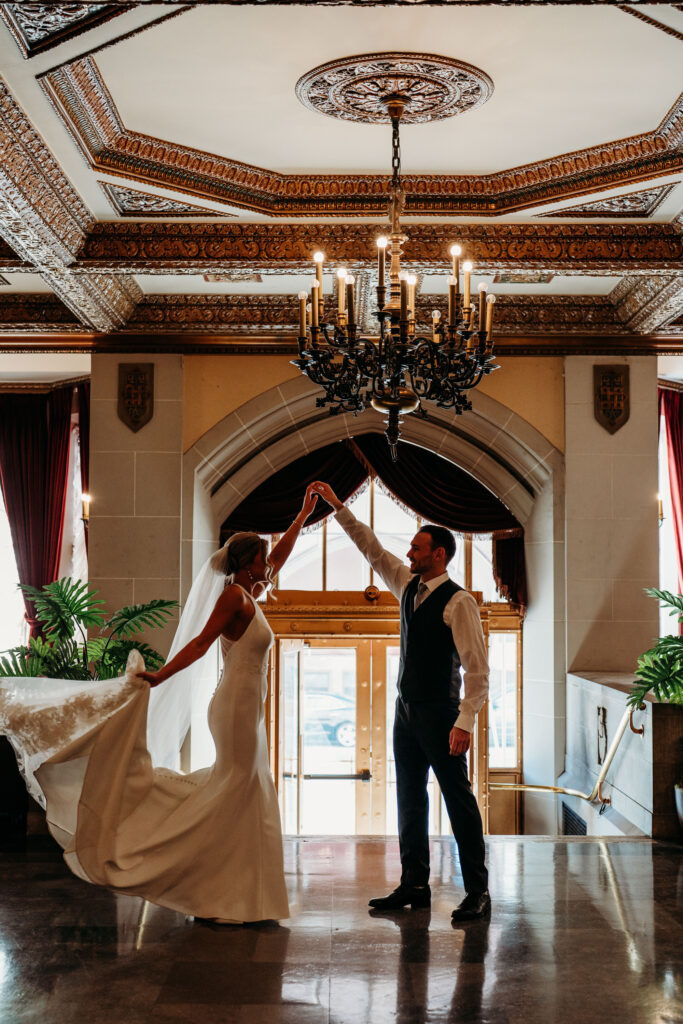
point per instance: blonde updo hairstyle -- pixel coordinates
(238, 552)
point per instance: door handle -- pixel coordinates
(363, 775)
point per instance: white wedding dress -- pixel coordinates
(208, 843)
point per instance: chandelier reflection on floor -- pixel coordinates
(398, 370)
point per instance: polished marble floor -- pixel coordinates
(581, 931)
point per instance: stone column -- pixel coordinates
(611, 521)
(135, 483)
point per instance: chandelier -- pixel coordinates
(397, 370)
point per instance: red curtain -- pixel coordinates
(34, 455)
(83, 397)
(671, 408)
(430, 485)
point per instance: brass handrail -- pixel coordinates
(596, 791)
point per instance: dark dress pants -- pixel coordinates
(421, 732)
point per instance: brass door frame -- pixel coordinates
(332, 616)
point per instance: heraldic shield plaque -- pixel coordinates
(136, 394)
(611, 396)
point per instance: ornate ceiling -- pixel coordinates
(169, 169)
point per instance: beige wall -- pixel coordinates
(135, 484)
(611, 521)
(214, 386)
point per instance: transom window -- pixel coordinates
(325, 559)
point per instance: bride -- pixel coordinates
(209, 843)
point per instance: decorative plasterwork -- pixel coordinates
(129, 202)
(44, 221)
(288, 248)
(39, 26)
(633, 204)
(352, 88)
(22, 312)
(82, 99)
(648, 304)
(3, 281)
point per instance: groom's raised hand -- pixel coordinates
(327, 494)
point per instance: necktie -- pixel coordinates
(422, 591)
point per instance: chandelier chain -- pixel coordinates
(395, 153)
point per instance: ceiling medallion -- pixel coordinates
(434, 87)
(400, 369)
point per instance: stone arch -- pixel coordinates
(497, 446)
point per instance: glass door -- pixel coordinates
(325, 699)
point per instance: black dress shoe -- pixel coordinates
(416, 896)
(475, 904)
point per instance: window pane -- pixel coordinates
(482, 568)
(13, 628)
(346, 567)
(303, 570)
(394, 527)
(503, 700)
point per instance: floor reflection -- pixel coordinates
(581, 930)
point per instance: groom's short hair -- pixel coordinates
(441, 538)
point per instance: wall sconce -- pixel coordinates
(660, 510)
(85, 505)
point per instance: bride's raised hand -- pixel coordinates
(310, 501)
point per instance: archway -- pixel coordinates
(499, 448)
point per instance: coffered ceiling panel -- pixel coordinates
(231, 91)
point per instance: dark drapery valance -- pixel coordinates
(428, 484)
(34, 456)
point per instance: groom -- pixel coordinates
(440, 632)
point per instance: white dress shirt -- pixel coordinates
(461, 615)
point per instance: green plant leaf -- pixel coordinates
(673, 601)
(134, 618)
(114, 662)
(63, 604)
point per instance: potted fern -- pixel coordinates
(67, 609)
(660, 671)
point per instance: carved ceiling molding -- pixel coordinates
(351, 88)
(648, 304)
(44, 221)
(288, 248)
(670, 31)
(275, 315)
(39, 26)
(81, 98)
(633, 204)
(29, 312)
(129, 202)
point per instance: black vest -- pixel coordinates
(429, 667)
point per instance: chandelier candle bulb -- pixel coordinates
(482, 306)
(314, 303)
(411, 281)
(341, 287)
(455, 253)
(319, 259)
(490, 303)
(436, 316)
(452, 292)
(85, 507)
(302, 314)
(381, 259)
(349, 298)
(404, 296)
(467, 270)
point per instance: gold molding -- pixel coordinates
(79, 94)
